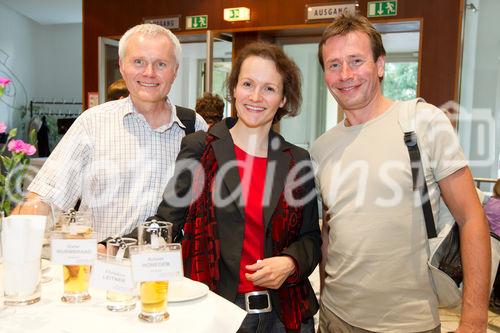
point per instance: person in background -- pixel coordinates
(242, 234)
(492, 209)
(117, 90)
(374, 269)
(210, 107)
(118, 156)
(42, 138)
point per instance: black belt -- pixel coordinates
(258, 302)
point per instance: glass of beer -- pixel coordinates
(76, 283)
(154, 301)
(154, 236)
(118, 250)
(76, 226)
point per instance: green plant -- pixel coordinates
(14, 164)
(13, 168)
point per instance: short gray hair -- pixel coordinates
(151, 30)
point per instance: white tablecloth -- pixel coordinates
(209, 314)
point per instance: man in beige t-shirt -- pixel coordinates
(374, 272)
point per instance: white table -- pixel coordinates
(209, 314)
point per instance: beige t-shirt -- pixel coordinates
(376, 272)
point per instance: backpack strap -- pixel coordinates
(407, 121)
(188, 118)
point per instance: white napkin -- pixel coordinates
(1, 284)
(22, 239)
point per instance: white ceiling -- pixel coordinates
(48, 11)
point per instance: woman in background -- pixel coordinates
(210, 107)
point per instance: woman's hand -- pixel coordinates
(271, 272)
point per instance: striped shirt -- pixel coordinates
(116, 163)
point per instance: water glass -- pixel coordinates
(117, 250)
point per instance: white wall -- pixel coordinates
(44, 61)
(58, 62)
(16, 49)
(487, 83)
(479, 126)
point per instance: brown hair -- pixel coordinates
(287, 68)
(210, 107)
(117, 89)
(345, 23)
(496, 189)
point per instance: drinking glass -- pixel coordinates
(156, 233)
(154, 236)
(154, 301)
(117, 250)
(22, 239)
(76, 226)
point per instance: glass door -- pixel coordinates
(109, 68)
(303, 129)
(217, 67)
(206, 62)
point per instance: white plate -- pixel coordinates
(186, 290)
(45, 264)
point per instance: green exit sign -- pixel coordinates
(382, 8)
(236, 14)
(197, 22)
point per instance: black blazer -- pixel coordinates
(230, 219)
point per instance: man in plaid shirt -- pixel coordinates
(118, 157)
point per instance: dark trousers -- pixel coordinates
(267, 322)
(496, 289)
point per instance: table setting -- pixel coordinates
(192, 308)
(134, 286)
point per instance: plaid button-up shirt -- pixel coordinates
(116, 163)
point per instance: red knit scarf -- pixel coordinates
(201, 247)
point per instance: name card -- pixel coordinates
(157, 265)
(73, 251)
(113, 276)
